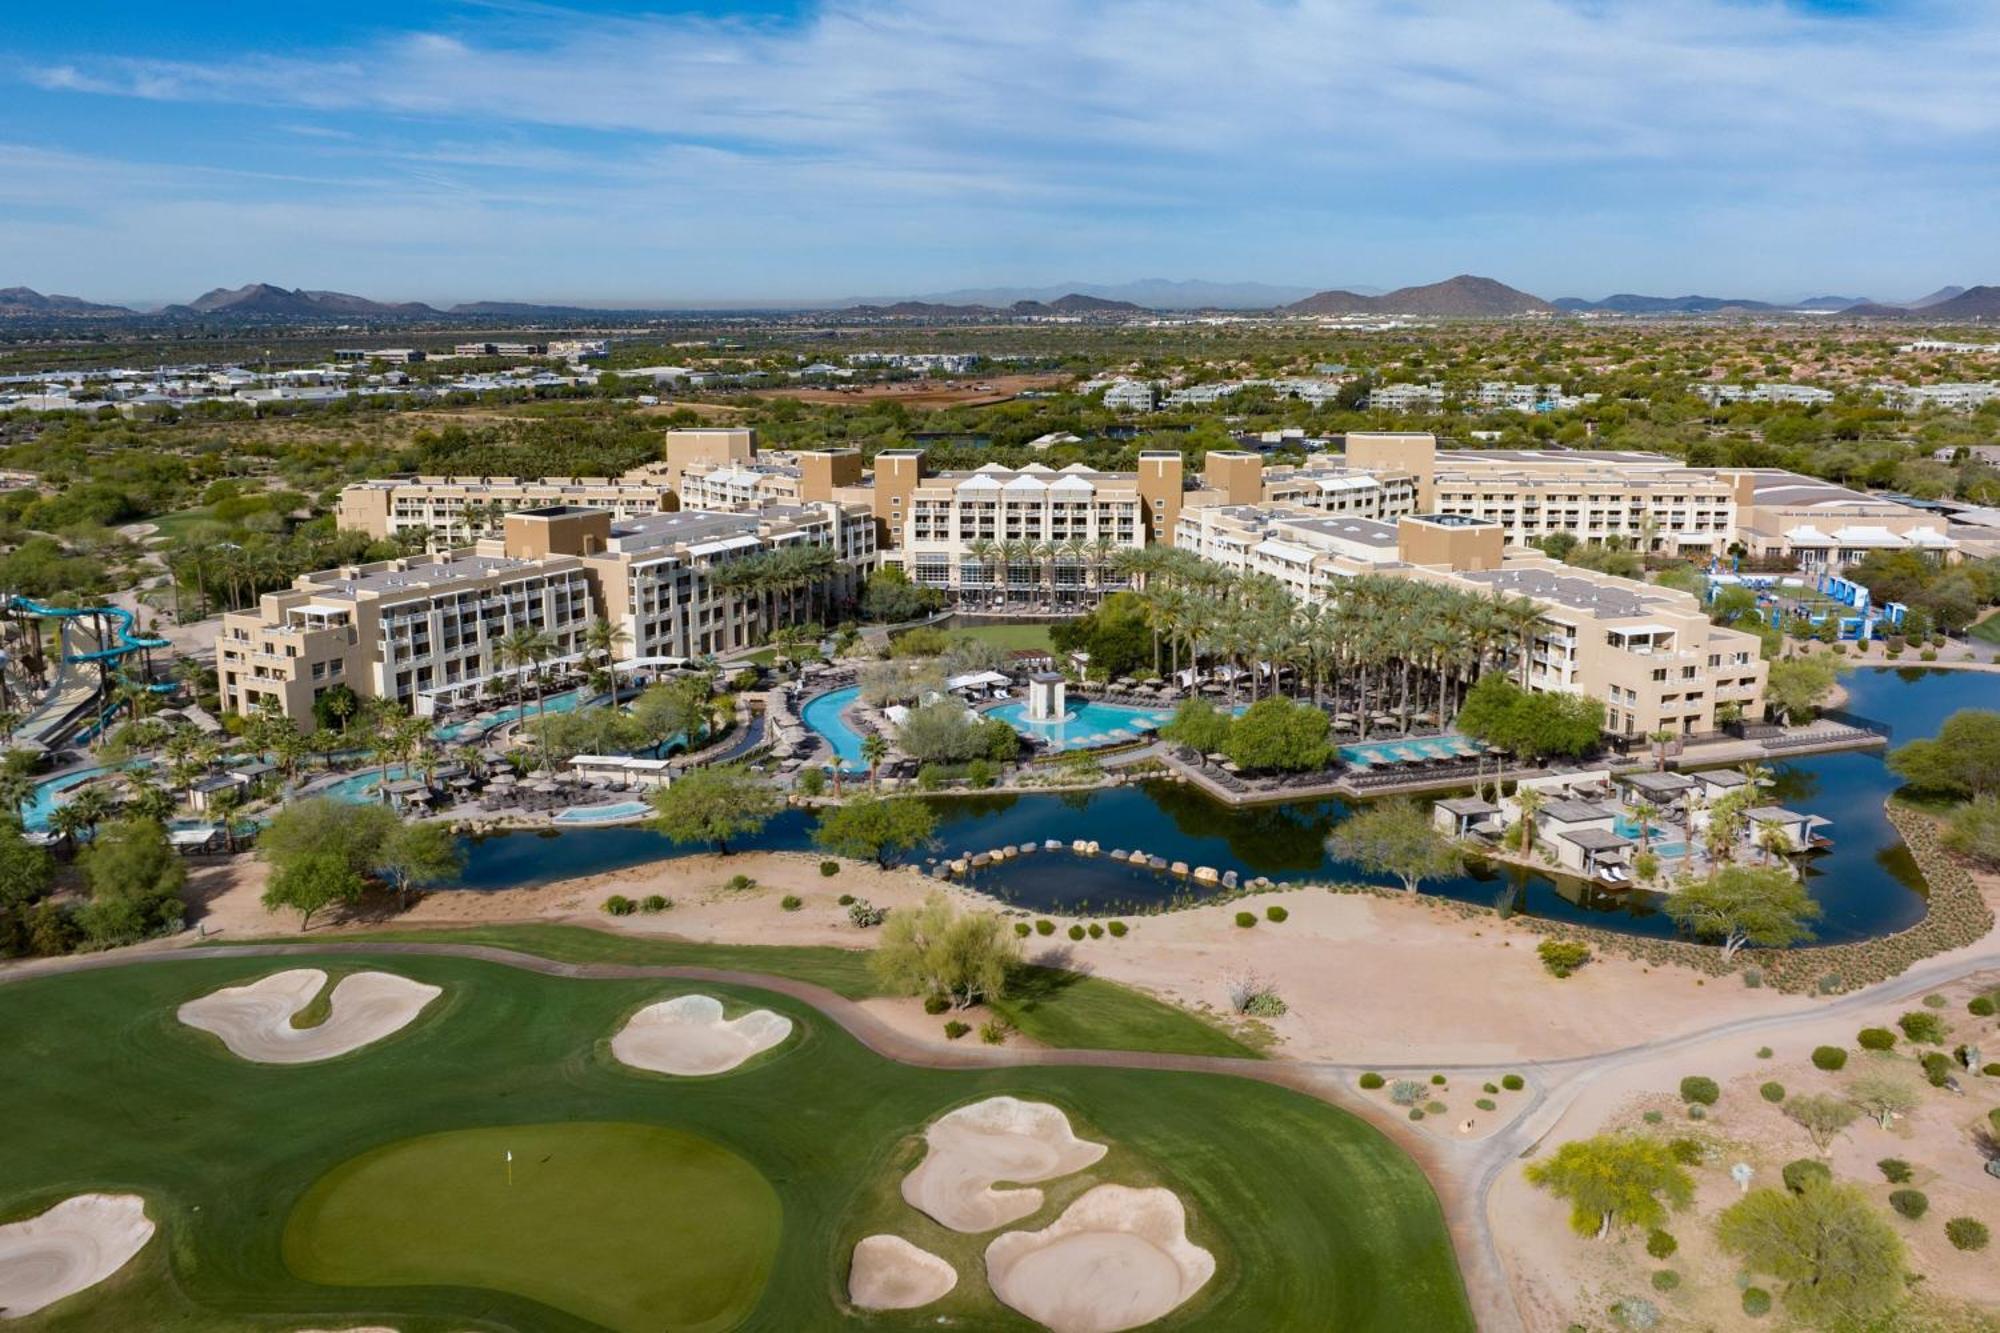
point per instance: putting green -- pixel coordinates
(631, 1226)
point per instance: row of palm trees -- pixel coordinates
(1042, 562)
(775, 581)
(1387, 645)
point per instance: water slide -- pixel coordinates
(73, 689)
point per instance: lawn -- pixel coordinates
(1315, 1219)
(1008, 637)
(1056, 1008)
(1987, 630)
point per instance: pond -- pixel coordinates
(1867, 883)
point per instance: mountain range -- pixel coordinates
(1146, 293)
(20, 302)
(1462, 297)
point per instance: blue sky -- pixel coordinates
(707, 151)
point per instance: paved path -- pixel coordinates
(1463, 1173)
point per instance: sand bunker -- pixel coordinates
(976, 1146)
(76, 1244)
(1116, 1258)
(688, 1035)
(889, 1273)
(255, 1021)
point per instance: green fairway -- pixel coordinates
(381, 1173)
(633, 1226)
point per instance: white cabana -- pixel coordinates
(977, 680)
(623, 770)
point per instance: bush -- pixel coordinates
(1416, 1113)
(1095, 931)
(1371, 1080)
(1023, 929)
(1937, 1069)
(619, 905)
(1763, 1052)
(1935, 1001)
(1652, 1117)
(1991, 1069)
(655, 902)
(1075, 932)
(1875, 1039)
(1246, 919)
(739, 883)
(865, 914)
(1696, 1111)
(1699, 1090)
(791, 902)
(829, 868)
(1266, 1004)
(1275, 913)
(955, 1029)
(1967, 1233)
(1563, 957)
(1688, 1152)
(1513, 1082)
(1117, 929)
(1981, 1006)
(1772, 1093)
(1435, 1108)
(1666, 1280)
(1661, 1244)
(1756, 1301)
(1486, 1104)
(1406, 1092)
(1828, 1058)
(810, 782)
(1045, 927)
(1491, 1089)
(1912, 1204)
(936, 1004)
(1437, 1080)
(1993, 1118)
(1920, 1026)
(1799, 1174)
(1894, 1170)
(994, 1031)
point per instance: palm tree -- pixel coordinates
(986, 553)
(604, 636)
(341, 703)
(92, 806)
(16, 790)
(10, 719)
(1530, 800)
(873, 751)
(68, 822)
(1661, 739)
(1644, 813)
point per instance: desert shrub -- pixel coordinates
(1045, 927)
(791, 902)
(1803, 1172)
(1490, 1089)
(936, 1004)
(1699, 1090)
(1981, 1006)
(1633, 1312)
(1513, 1082)
(810, 782)
(1763, 1052)
(1967, 1233)
(1756, 1301)
(655, 902)
(1661, 1244)
(1266, 1004)
(1828, 1058)
(845, 900)
(829, 868)
(1371, 1080)
(1696, 1111)
(994, 1031)
(1991, 1069)
(1666, 1280)
(1937, 1069)
(1875, 1039)
(1075, 932)
(1023, 929)
(1435, 1108)
(1912, 1204)
(1993, 1118)
(1094, 930)
(1772, 1092)
(1935, 1001)
(1563, 957)
(1416, 1113)
(1486, 1104)
(954, 1029)
(619, 905)
(867, 915)
(1117, 929)
(1406, 1092)
(1688, 1152)
(1924, 1027)
(1894, 1170)
(1275, 913)
(1246, 919)
(1753, 978)
(1437, 1080)
(1652, 1117)
(739, 883)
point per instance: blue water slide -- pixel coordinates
(126, 641)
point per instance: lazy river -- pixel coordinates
(1867, 883)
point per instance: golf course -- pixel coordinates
(493, 1165)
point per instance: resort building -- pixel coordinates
(1823, 528)
(456, 511)
(426, 631)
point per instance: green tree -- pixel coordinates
(936, 949)
(1963, 759)
(1883, 1096)
(873, 751)
(1199, 725)
(135, 879)
(713, 805)
(311, 883)
(890, 598)
(26, 871)
(354, 833)
(415, 854)
(1797, 686)
(1738, 905)
(1276, 735)
(1841, 1261)
(1824, 1118)
(870, 829)
(1614, 1181)
(1395, 838)
(1974, 831)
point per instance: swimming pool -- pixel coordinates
(35, 814)
(622, 812)
(1627, 827)
(1383, 754)
(1088, 724)
(475, 727)
(823, 715)
(360, 787)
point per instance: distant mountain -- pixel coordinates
(1462, 297)
(1076, 304)
(262, 300)
(920, 310)
(1147, 294)
(1876, 310)
(529, 310)
(1937, 297)
(1972, 303)
(1835, 303)
(25, 302)
(1626, 303)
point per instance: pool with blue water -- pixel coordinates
(1085, 725)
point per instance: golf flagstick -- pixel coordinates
(510, 1167)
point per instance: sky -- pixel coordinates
(711, 152)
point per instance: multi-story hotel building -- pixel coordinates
(456, 511)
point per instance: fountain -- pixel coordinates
(1046, 701)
